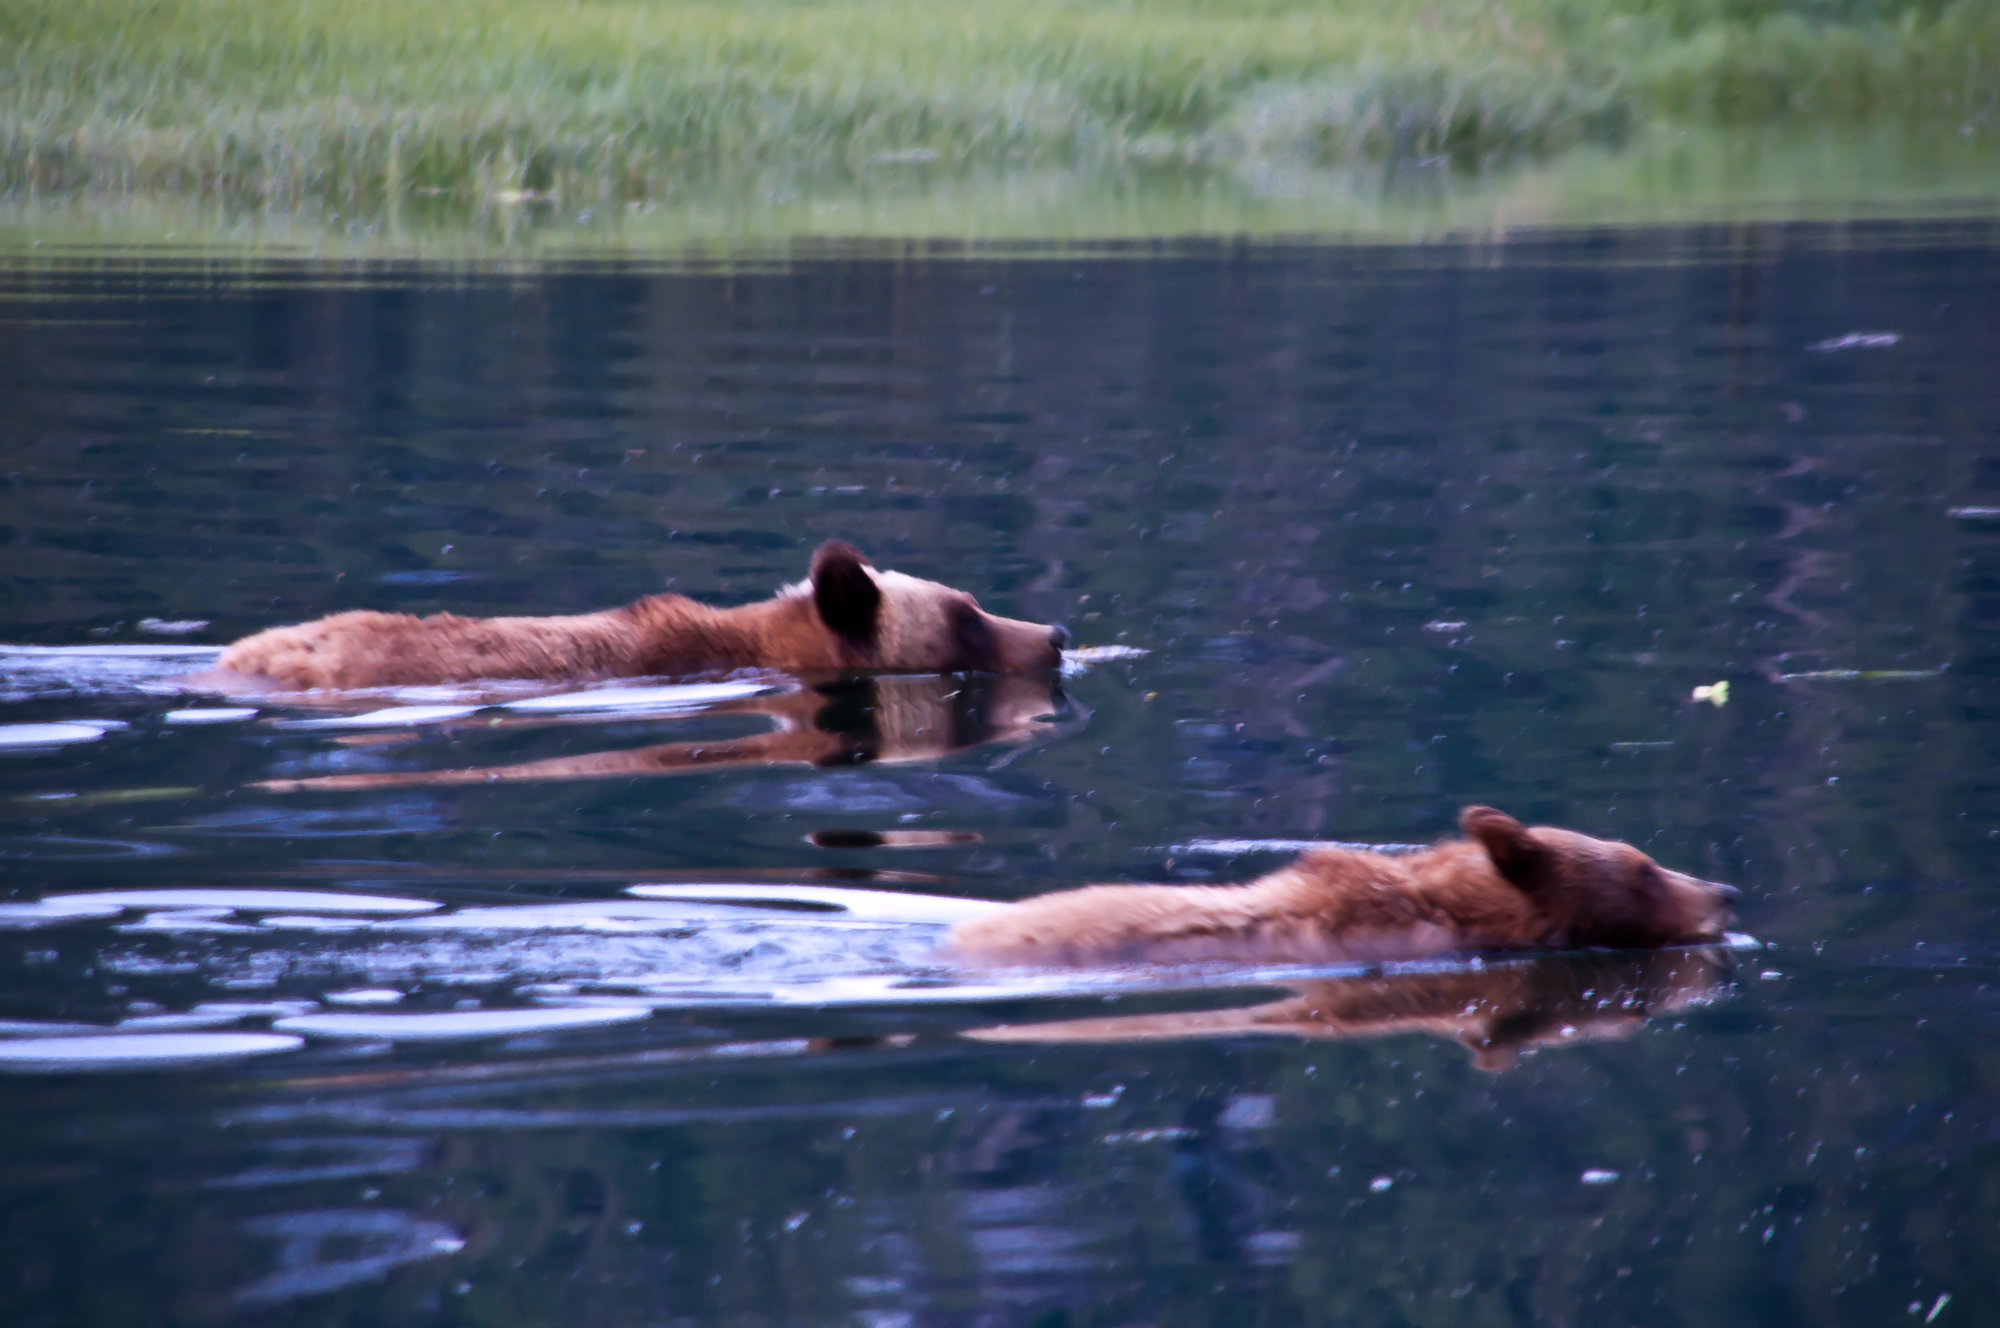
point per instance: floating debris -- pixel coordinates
(113, 797)
(1380, 1183)
(1856, 341)
(1715, 693)
(892, 838)
(1162, 1135)
(1864, 675)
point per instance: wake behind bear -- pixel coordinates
(1504, 886)
(845, 617)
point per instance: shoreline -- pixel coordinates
(1666, 177)
(461, 109)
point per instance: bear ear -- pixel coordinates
(1514, 851)
(846, 596)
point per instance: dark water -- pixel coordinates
(1400, 528)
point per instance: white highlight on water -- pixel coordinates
(50, 735)
(210, 715)
(393, 717)
(461, 1025)
(865, 905)
(1856, 341)
(687, 697)
(138, 1051)
(1232, 847)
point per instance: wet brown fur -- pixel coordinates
(1505, 886)
(847, 617)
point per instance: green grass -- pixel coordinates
(480, 102)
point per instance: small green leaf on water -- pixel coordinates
(1716, 693)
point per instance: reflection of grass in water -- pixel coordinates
(619, 99)
(1886, 170)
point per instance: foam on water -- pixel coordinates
(1080, 661)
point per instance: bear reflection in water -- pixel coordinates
(1496, 1012)
(850, 722)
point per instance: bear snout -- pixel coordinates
(1058, 635)
(1709, 906)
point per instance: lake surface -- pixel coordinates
(302, 1026)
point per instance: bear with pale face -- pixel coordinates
(846, 617)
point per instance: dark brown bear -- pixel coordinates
(1504, 886)
(846, 617)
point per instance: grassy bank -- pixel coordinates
(1795, 172)
(483, 103)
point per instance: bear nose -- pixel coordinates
(1729, 894)
(1058, 636)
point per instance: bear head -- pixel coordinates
(1597, 892)
(904, 624)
